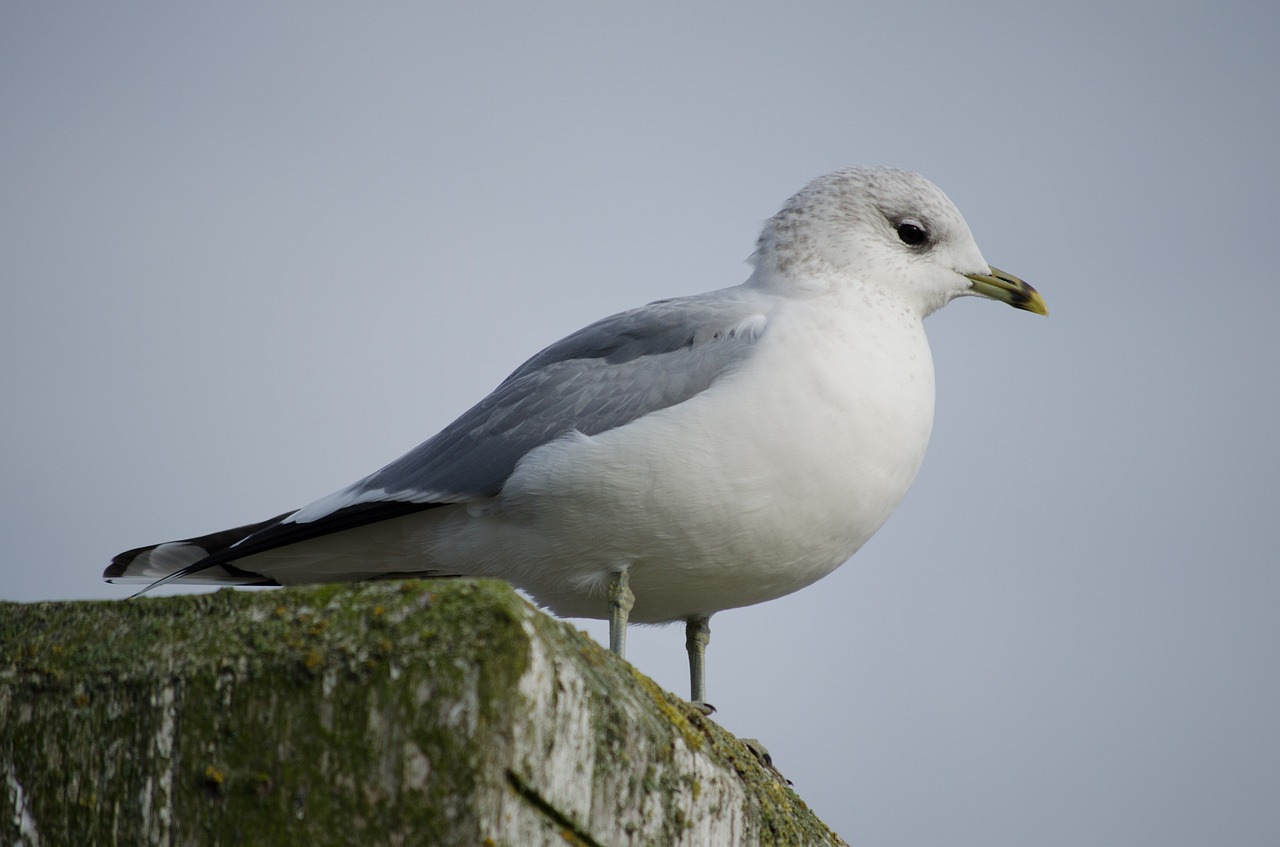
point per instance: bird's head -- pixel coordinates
(885, 230)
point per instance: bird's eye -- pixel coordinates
(912, 233)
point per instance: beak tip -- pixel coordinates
(1033, 303)
(1007, 288)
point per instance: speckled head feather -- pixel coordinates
(845, 224)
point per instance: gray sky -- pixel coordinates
(252, 252)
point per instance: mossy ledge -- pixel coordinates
(419, 713)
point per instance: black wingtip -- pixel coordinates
(119, 566)
(221, 549)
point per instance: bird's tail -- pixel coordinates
(168, 562)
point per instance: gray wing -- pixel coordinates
(601, 377)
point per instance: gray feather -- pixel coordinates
(603, 376)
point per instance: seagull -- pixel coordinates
(666, 463)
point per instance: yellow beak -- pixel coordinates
(1007, 288)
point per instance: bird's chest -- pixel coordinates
(803, 452)
(761, 484)
(840, 432)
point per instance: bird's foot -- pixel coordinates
(762, 756)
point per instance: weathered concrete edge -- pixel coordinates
(592, 709)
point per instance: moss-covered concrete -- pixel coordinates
(415, 713)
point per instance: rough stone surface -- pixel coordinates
(415, 713)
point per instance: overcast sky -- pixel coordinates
(251, 252)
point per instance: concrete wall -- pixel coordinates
(431, 713)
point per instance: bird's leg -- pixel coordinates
(620, 602)
(697, 635)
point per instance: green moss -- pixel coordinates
(196, 707)
(329, 714)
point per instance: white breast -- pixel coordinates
(754, 489)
